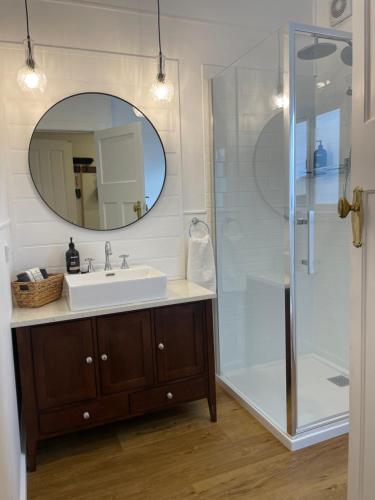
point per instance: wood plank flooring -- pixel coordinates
(179, 454)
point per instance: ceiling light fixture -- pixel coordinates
(30, 77)
(323, 84)
(162, 90)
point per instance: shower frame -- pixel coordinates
(295, 437)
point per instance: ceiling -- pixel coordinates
(265, 15)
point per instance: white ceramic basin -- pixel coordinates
(116, 287)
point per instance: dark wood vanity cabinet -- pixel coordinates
(86, 372)
(125, 351)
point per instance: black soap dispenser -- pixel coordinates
(73, 265)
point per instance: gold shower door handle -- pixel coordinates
(356, 208)
(137, 207)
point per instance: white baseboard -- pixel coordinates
(23, 477)
(23, 471)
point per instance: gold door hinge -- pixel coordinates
(356, 208)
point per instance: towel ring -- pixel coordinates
(195, 221)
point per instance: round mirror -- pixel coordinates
(97, 161)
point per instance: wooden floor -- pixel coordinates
(180, 455)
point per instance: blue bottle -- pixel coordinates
(320, 156)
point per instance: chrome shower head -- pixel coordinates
(317, 50)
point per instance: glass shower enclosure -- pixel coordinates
(282, 157)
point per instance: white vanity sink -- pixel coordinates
(115, 287)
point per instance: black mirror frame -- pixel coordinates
(152, 125)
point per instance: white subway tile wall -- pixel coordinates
(39, 237)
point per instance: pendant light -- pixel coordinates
(161, 90)
(30, 77)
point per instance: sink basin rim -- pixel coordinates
(123, 275)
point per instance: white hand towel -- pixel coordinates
(201, 262)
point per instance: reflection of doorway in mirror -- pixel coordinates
(51, 162)
(82, 145)
(121, 182)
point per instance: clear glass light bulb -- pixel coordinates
(280, 101)
(162, 91)
(30, 77)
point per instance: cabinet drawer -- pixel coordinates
(167, 395)
(84, 415)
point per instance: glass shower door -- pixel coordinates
(251, 206)
(322, 168)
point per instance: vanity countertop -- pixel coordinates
(178, 292)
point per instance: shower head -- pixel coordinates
(347, 55)
(317, 50)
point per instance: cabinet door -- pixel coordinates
(63, 363)
(179, 341)
(125, 351)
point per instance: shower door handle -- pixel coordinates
(310, 223)
(311, 242)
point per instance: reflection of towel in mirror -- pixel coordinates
(201, 262)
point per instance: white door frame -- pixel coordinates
(362, 368)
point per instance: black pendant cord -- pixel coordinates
(279, 77)
(27, 20)
(29, 60)
(161, 76)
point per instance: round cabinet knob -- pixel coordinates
(86, 415)
(89, 360)
(169, 395)
(104, 357)
(161, 347)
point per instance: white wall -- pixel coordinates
(11, 468)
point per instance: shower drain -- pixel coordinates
(339, 380)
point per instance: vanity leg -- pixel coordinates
(31, 447)
(212, 408)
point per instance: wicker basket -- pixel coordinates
(38, 293)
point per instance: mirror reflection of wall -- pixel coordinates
(96, 163)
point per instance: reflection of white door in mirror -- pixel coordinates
(51, 163)
(120, 174)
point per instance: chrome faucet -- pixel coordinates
(108, 252)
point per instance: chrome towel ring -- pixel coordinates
(195, 221)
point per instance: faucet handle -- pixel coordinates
(90, 267)
(124, 264)
(108, 248)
